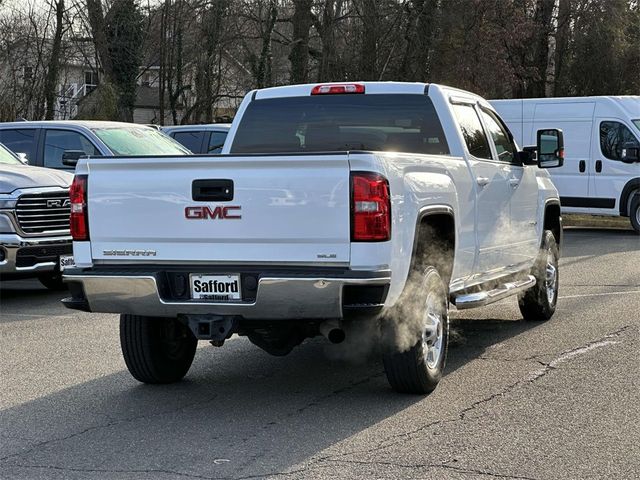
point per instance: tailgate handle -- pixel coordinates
(217, 190)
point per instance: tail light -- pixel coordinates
(370, 208)
(337, 88)
(79, 214)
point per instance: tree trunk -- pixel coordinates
(263, 73)
(163, 59)
(299, 55)
(562, 48)
(175, 61)
(426, 11)
(98, 31)
(369, 52)
(53, 71)
(543, 28)
(328, 67)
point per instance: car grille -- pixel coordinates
(44, 212)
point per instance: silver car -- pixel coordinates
(56, 144)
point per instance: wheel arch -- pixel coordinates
(632, 185)
(435, 222)
(553, 220)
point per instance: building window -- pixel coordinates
(91, 78)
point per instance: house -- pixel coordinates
(22, 85)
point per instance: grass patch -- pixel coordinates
(595, 221)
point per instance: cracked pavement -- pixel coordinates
(518, 401)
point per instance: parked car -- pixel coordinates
(200, 138)
(601, 172)
(34, 221)
(374, 201)
(45, 143)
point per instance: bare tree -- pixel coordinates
(301, 23)
(53, 70)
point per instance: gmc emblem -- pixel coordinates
(208, 213)
(58, 203)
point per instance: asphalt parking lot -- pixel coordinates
(519, 400)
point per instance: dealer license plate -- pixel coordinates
(215, 288)
(66, 261)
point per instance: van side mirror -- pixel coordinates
(23, 157)
(630, 152)
(550, 148)
(70, 157)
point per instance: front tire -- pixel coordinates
(538, 303)
(634, 213)
(156, 350)
(424, 310)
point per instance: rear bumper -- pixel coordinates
(277, 295)
(23, 257)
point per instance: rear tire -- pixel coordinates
(156, 349)
(53, 281)
(425, 311)
(634, 213)
(538, 303)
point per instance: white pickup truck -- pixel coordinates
(330, 204)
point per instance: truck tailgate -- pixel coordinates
(290, 209)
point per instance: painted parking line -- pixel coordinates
(599, 294)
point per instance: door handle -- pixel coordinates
(217, 190)
(514, 182)
(482, 181)
(582, 166)
(598, 166)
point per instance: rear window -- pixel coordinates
(330, 123)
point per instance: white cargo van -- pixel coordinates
(601, 172)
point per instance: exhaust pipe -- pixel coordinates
(331, 330)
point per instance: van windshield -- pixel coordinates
(335, 123)
(636, 123)
(125, 141)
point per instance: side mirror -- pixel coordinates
(630, 152)
(550, 148)
(70, 157)
(23, 157)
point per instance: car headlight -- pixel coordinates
(7, 204)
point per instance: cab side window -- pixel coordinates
(20, 141)
(501, 138)
(216, 142)
(472, 131)
(191, 140)
(56, 142)
(613, 136)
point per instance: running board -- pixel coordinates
(478, 299)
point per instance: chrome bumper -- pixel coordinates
(277, 298)
(10, 243)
